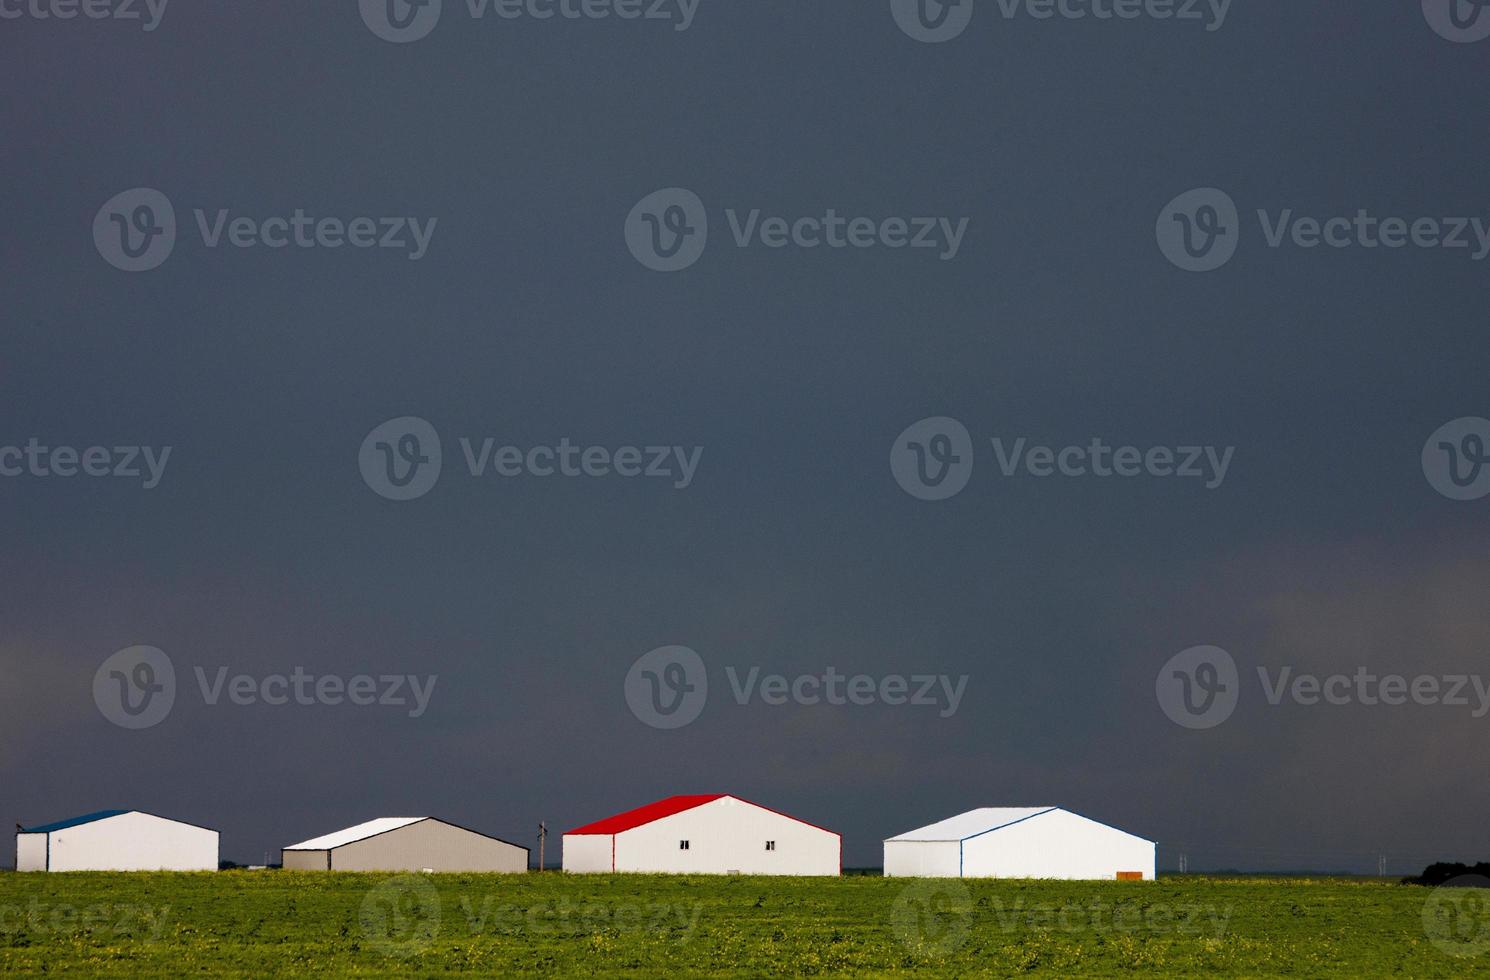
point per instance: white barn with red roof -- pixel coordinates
(704, 834)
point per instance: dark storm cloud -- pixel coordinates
(793, 549)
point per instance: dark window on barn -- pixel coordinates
(682, 845)
(770, 845)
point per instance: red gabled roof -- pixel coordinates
(646, 814)
(666, 808)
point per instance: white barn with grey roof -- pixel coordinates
(405, 844)
(1020, 842)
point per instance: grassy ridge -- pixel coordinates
(350, 924)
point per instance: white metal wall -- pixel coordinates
(1058, 844)
(728, 835)
(587, 852)
(31, 852)
(922, 859)
(134, 842)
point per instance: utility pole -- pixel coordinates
(542, 837)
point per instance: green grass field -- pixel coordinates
(276, 922)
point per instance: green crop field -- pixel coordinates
(276, 922)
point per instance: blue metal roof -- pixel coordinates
(75, 821)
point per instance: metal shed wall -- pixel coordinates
(430, 844)
(31, 852)
(922, 858)
(303, 860)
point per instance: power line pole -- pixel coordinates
(542, 838)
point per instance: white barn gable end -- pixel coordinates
(1020, 842)
(117, 840)
(703, 834)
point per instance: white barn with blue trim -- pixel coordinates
(116, 840)
(1020, 842)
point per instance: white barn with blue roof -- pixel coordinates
(116, 840)
(1020, 842)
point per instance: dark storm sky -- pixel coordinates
(794, 548)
